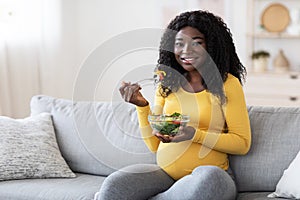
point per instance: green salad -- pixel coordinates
(169, 124)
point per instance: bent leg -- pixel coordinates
(136, 182)
(205, 182)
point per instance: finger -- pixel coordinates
(176, 139)
(124, 83)
(165, 138)
(160, 137)
(136, 87)
(122, 88)
(128, 94)
(124, 91)
(137, 84)
(168, 138)
(179, 137)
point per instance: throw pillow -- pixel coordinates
(28, 149)
(289, 184)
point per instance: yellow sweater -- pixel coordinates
(220, 130)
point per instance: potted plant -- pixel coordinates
(260, 60)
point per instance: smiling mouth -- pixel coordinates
(188, 60)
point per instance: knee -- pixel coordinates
(117, 186)
(112, 182)
(213, 174)
(208, 171)
(214, 181)
(210, 175)
(134, 182)
(130, 175)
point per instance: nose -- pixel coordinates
(187, 48)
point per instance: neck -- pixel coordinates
(194, 77)
(194, 82)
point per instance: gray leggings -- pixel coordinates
(138, 182)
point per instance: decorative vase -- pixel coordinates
(281, 63)
(260, 64)
(294, 27)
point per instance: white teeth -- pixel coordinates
(188, 59)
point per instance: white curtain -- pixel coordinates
(28, 31)
(5, 106)
(20, 42)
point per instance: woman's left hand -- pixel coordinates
(185, 133)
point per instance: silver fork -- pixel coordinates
(142, 82)
(146, 81)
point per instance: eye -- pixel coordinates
(197, 43)
(179, 44)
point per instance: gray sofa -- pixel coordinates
(98, 138)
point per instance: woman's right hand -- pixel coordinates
(131, 93)
(185, 133)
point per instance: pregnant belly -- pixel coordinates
(180, 159)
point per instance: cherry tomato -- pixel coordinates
(176, 122)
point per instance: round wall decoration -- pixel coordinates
(275, 18)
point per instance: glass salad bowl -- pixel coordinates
(168, 124)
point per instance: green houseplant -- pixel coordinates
(260, 54)
(260, 60)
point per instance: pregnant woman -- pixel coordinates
(200, 76)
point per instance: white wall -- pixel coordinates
(100, 21)
(70, 60)
(236, 18)
(60, 48)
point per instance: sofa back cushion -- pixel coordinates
(95, 137)
(275, 143)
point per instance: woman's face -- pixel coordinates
(190, 48)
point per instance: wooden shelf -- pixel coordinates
(267, 35)
(272, 87)
(290, 73)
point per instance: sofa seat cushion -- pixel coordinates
(255, 196)
(275, 143)
(83, 187)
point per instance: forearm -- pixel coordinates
(231, 142)
(150, 140)
(237, 138)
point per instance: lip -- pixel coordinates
(188, 59)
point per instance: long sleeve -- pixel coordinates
(220, 129)
(237, 139)
(151, 141)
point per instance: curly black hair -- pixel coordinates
(220, 48)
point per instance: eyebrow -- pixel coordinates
(198, 37)
(194, 38)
